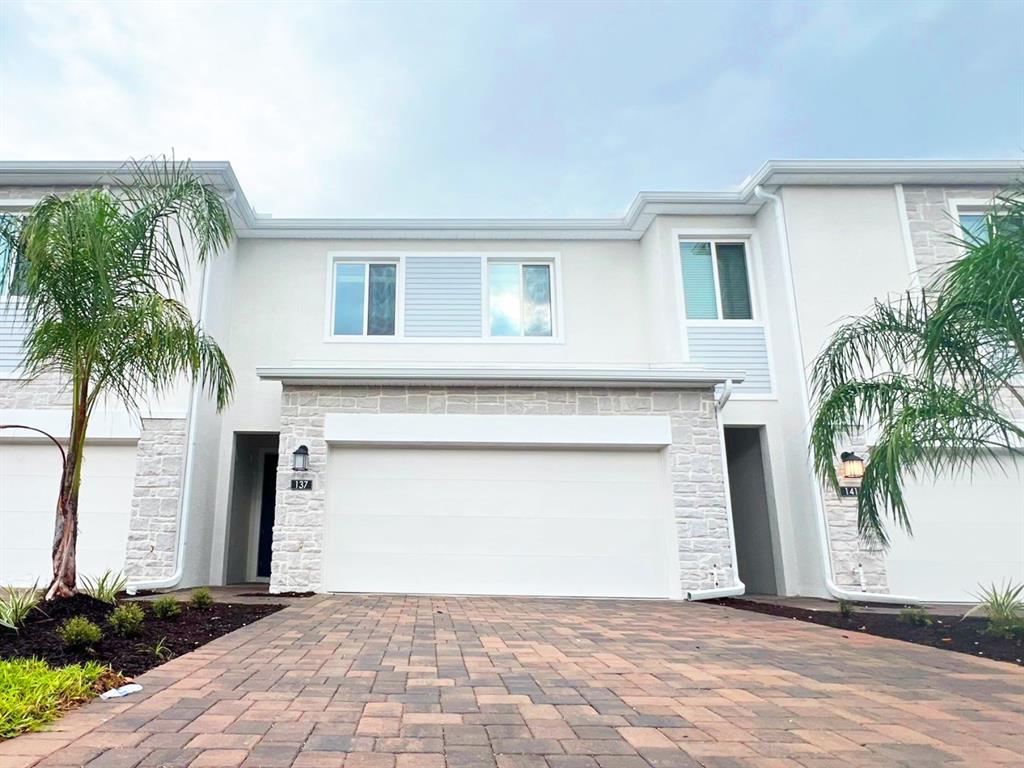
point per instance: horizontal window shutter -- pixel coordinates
(443, 297)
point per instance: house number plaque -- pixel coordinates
(303, 484)
(846, 490)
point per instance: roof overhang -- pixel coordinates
(464, 375)
(632, 226)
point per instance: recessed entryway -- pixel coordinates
(251, 520)
(757, 543)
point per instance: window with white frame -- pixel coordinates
(716, 280)
(519, 298)
(364, 298)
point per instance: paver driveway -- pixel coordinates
(417, 682)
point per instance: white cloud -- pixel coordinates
(252, 83)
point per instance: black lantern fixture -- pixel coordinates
(853, 465)
(300, 459)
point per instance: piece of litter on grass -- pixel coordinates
(124, 690)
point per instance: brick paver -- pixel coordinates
(366, 681)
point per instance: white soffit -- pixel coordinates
(522, 431)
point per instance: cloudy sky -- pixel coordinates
(506, 109)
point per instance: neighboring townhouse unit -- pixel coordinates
(606, 407)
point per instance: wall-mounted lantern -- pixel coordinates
(300, 459)
(853, 465)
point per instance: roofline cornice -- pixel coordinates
(632, 226)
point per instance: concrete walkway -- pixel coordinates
(367, 681)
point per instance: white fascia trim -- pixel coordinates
(520, 431)
(644, 208)
(104, 426)
(496, 375)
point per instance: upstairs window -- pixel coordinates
(364, 298)
(716, 284)
(12, 277)
(975, 224)
(519, 298)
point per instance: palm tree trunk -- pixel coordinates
(65, 535)
(65, 531)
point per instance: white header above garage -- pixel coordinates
(490, 374)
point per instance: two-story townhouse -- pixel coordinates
(539, 407)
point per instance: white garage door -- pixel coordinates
(29, 478)
(967, 531)
(481, 521)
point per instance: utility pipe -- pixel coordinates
(184, 508)
(805, 402)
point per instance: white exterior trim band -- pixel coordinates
(496, 375)
(109, 426)
(526, 431)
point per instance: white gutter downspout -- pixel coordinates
(805, 401)
(739, 587)
(172, 581)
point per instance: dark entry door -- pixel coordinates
(267, 515)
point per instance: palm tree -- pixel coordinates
(937, 375)
(102, 273)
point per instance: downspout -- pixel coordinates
(739, 587)
(184, 507)
(805, 402)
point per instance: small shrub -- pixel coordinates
(107, 587)
(1001, 604)
(1008, 629)
(166, 607)
(846, 609)
(16, 605)
(917, 617)
(32, 693)
(79, 632)
(201, 599)
(126, 619)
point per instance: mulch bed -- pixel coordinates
(948, 632)
(128, 655)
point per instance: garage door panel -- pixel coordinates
(29, 478)
(408, 534)
(587, 577)
(498, 521)
(968, 530)
(503, 498)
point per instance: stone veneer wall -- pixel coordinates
(156, 500)
(857, 565)
(698, 488)
(45, 393)
(931, 226)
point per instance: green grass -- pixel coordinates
(32, 693)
